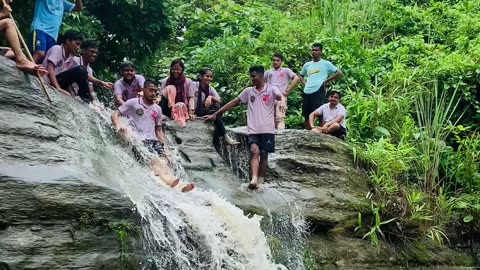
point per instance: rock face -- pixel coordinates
(52, 214)
(314, 171)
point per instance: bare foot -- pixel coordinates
(253, 185)
(188, 187)
(29, 67)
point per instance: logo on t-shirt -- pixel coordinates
(266, 98)
(68, 65)
(59, 63)
(270, 76)
(252, 98)
(313, 71)
(281, 75)
(139, 111)
(154, 114)
(196, 93)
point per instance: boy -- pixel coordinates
(280, 77)
(260, 122)
(89, 55)
(318, 72)
(129, 86)
(47, 19)
(62, 72)
(146, 118)
(332, 117)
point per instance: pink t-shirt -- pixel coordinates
(279, 77)
(143, 118)
(260, 112)
(128, 91)
(61, 62)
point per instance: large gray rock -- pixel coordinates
(54, 214)
(316, 172)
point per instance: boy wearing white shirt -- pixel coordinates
(332, 117)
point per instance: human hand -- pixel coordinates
(107, 85)
(282, 105)
(6, 10)
(211, 117)
(208, 101)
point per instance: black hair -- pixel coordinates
(316, 44)
(256, 69)
(89, 44)
(127, 64)
(333, 92)
(203, 71)
(178, 61)
(279, 55)
(149, 81)
(73, 35)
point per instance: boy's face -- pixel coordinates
(316, 52)
(334, 99)
(91, 54)
(128, 73)
(150, 92)
(256, 78)
(276, 62)
(73, 45)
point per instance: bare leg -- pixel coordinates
(262, 170)
(254, 164)
(160, 167)
(7, 26)
(332, 128)
(38, 56)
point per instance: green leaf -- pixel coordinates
(468, 219)
(383, 131)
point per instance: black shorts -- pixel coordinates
(313, 101)
(341, 133)
(265, 141)
(154, 147)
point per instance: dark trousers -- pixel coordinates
(77, 75)
(217, 123)
(164, 106)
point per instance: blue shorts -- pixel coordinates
(40, 41)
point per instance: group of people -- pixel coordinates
(147, 102)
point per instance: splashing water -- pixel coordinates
(195, 230)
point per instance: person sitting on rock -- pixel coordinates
(146, 119)
(260, 122)
(8, 29)
(62, 72)
(206, 102)
(129, 86)
(177, 95)
(332, 117)
(89, 55)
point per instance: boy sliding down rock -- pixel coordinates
(146, 119)
(260, 100)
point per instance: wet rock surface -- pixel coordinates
(52, 214)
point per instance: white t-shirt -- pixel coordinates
(330, 114)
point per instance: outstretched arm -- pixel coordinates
(225, 108)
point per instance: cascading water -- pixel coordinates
(195, 230)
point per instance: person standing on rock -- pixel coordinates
(260, 100)
(318, 72)
(332, 117)
(129, 86)
(62, 72)
(8, 29)
(146, 119)
(207, 101)
(47, 19)
(280, 77)
(89, 55)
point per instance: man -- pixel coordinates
(280, 77)
(260, 122)
(89, 55)
(47, 19)
(8, 29)
(62, 72)
(129, 86)
(331, 117)
(146, 119)
(317, 72)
